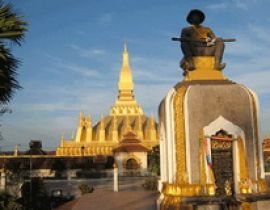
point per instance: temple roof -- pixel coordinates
(123, 124)
(130, 143)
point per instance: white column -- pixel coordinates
(115, 179)
(169, 114)
(3, 181)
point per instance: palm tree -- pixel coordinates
(12, 31)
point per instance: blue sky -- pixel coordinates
(71, 58)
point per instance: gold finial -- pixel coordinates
(16, 150)
(125, 84)
(81, 114)
(89, 121)
(114, 123)
(152, 121)
(81, 121)
(125, 47)
(72, 135)
(102, 121)
(125, 56)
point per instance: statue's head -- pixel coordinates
(195, 17)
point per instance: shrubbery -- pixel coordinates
(267, 165)
(85, 188)
(91, 174)
(150, 183)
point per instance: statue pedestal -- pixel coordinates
(209, 141)
(204, 69)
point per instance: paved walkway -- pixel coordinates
(102, 199)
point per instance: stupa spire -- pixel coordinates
(125, 103)
(125, 84)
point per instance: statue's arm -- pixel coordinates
(185, 33)
(211, 34)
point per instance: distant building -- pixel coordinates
(125, 137)
(109, 133)
(266, 153)
(131, 155)
(36, 162)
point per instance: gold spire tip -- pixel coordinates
(125, 47)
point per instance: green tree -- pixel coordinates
(12, 31)
(154, 161)
(34, 195)
(58, 166)
(267, 165)
(8, 202)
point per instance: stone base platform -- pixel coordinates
(240, 202)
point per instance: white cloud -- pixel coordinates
(83, 99)
(217, 6)
(241, 4)
(49, 130)
(257, 80)
(84, 71)
(262, 34)
(155, 70)
(105, 18)
(64, 64)
(238, 4)
(88, 53)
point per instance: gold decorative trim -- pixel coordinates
(262, 186)
(178, 106)
(173, 194)
(244, 183)
(246, 206)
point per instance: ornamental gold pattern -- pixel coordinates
(242, 160)
(244, 184)
(178, 105)
(217, 144)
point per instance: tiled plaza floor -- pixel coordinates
(102, 199)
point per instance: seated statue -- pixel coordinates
(197, 40)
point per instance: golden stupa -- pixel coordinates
(126, 115)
